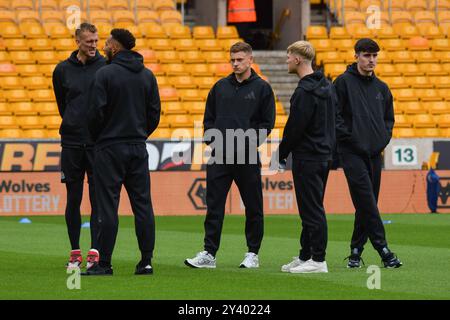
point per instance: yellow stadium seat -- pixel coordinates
(432, 69)
(179, 32)
(405, 95)
(216, 57)
(47, 108)
(16, 44)
(160, 44)
(61, 31)
(401, 17)
(64, 44)
(53, 134)
(280, 121)
(417, 5)
(204, 82)
(175, 69)
(8, 69)
(95, 5)
(361, 32)
(446, 67)
(140, 44)
(431, 31)
(163, 123)
(419, 43)
(402, 57)
(396, 82)
(51, 122)
(420, 82)
(402, 121)
(27, 16)
(161, 133)
(190, 95)
(8, 122)
(179, 121)
(410, 69)
(11, 133)
(279, 108)
(11, 82)
(423, 121)
(47, 57)
(440, 82)
(155, 68)
(335, 69)
(168, 56)
(228, 43)
(123, 19)
(4, 57)
(143, 5)
(220, 69)
(192, 57)
(168, 94)
(116, 5)
(404, 133)
(316, 32)
(184, 45)
(2, 96)
(428, 95)
(47, 69)
(322, 45)
(100, 16)
(170, 17)
(10, 30)
(173, 107)
(438, 107)
(5, 13)
(208, 45)
(227, 32)
(163, 5)
(29, 122)
(62, 55)
(399, 107)
(392, 44)
(365, 4)
(428, 132)
(148, 17)
(445, 132)
(5, 109)
(194, 107)
(64, 4)
(413, 107)
(22, 57)
(148, 55)
(48, 5)
(444, 120)
(42, 95)
(352, 17)
(329, 57)
(182, 82)
(32, 30)
(386, 32)
(199, 70)
(425, 56)
(32, 133)
(440, 45)
(17, 95)
(163, 81)
(443, 56)
(443, 94)
(36, 82)
(338, 33)
(42, 44)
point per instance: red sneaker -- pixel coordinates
(93, 257)
(75, 259)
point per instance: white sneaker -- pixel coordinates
(250, 261)
(293, 264)
(311, 266)
(201, 260)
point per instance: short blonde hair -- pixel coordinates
(303, 49)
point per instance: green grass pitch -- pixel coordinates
(33, 256)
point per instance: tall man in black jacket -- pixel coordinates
(364, 128)
(72, 79)
(241, 102)
(125, 111)
(310, 136)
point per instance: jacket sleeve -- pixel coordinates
(389, 117)
(98, 100)
(209, 117)
(342, 131)
(153, 107)
(267, 112)
(301, 113)
(58, 88)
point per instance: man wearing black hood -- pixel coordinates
(364, 128)
(240, 103)
(309, 135)
(125, 110)
(72, 79)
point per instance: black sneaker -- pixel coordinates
(97, 270)
(391, 261)
(143, 270)
(354, 259)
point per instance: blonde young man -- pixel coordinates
(309, 135)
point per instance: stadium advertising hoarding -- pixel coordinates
(42, 193)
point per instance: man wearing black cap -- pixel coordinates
(125, 110)
(364, 128)
(72, 79)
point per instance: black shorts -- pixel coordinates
(76, 162)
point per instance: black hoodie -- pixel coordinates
(125, 104)
(249, 104)
(365, 113)
(310, 129)
(71, 83)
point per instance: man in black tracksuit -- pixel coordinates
(72, 79)
(125, 111)
(364, 128)
(240, 101)
(309, 135)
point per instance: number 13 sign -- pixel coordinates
(404, 155)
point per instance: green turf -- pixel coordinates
(32, 258)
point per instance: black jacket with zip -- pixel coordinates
(365, 116)
(125, 103)
(245, 105)
(310, 129)
(71, 83)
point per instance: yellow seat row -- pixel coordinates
(423, 120)
(30, 122)
(29, 134)
(418, 107)
(396, 5)
(29, 108)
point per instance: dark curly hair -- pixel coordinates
(124, 37)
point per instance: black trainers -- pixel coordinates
(391, 261)
(97, 270)
(143, 269)
(354, 259)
